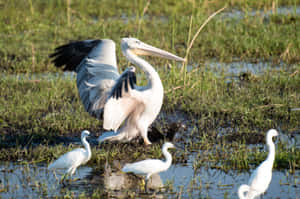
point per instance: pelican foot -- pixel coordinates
(147, 142)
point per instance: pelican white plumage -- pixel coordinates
(73, 159)
(261, 177)
(151, 166)
(103, 89)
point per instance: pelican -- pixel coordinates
(104, 91)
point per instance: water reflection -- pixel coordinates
(213, 183)
(114, 179)
(34, 181)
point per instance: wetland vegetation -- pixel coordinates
(223, 116)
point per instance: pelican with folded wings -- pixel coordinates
(128, 110)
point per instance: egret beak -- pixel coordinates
(145, 49)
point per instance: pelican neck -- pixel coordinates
(152, 75)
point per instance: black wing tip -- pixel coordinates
(128, 77)
(69, 56)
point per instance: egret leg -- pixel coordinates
(72, 173)
(55, 176)
(146, 182)
(146, 185)
(63, 179)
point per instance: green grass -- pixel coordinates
(42, 107)
(261, 101)
(42, 111)
(30, 30)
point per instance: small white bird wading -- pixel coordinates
(73, 159)
(261, 177)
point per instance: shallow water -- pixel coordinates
(33, 181)
(41, 76)
(284, 10)
(235, 14)
(213, 183)
(237, 67)
(232, 69)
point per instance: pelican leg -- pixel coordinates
(111, 136)
(144, 134)
(146, 141)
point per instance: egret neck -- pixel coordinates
(271, 156)
(168, 157)
(86, 146)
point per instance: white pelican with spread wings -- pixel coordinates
(128, 110)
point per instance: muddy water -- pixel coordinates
(34, 181)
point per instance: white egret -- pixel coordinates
(261, 177)
(73, 159)
(151, 166)
(103, 90)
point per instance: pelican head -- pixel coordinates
(140, 48)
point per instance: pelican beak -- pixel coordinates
(145, 49)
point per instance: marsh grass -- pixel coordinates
(46, 110)
(41, 118)
(30, 30)
(248, 102)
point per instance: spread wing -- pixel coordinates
(70, 55)
(95, 63)
(124, 101)
(126, 80)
